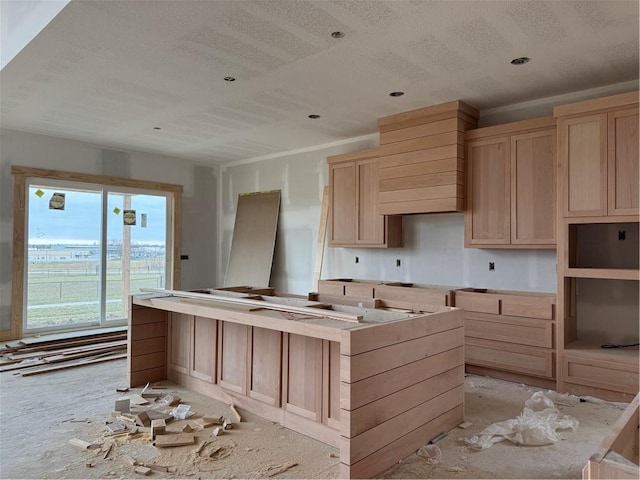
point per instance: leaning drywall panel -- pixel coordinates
(254, 237)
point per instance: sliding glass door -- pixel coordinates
(89, 247)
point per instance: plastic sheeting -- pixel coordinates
(537, 425)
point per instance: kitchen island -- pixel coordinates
(376, 384)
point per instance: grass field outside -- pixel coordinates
(67, 293)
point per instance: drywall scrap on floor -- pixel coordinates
(254, 238)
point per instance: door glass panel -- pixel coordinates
(63, 257)
(136, 248)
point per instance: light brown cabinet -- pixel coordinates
(179, 342)
(599, 159)
(422, 159)
(511, 185)
(509, 335)
(354, 219)
(598, 266)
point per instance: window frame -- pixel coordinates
(21, 178)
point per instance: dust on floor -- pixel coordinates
(39, 415)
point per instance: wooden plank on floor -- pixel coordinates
(69, 335)
(73, 365)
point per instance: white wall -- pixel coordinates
(199, 238)
(433, 251)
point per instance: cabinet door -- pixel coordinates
(303, 385)
(370, 227)
(487, 217)
(266, 365)
(179, 342)
(582, 148)
(342, 188)
(533, 190)
(203, 353)
(623, 162)
(232, 356)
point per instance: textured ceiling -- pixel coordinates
(108, 72)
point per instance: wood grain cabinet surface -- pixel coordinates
(354, 218)
(422, 159)
(511, 185)
(376, 389)
(598, 156)
(598, 199)
(509, 335)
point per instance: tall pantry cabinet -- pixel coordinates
(598, 264)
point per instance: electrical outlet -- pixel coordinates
(622, 234)
(357, 259)
(492, 266)
(397, 262)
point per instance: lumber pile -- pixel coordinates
(32, 356)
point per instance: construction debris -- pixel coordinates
(49, 353)
(158, 427)
(174, 440)
(273, 470)
(143, 471)
(235, 412)
(83, 445)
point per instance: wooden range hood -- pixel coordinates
(421, 159)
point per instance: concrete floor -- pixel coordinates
(40, 414)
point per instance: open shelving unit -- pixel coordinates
(598, 248)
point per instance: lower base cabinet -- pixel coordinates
(377, 390)
(510, 335)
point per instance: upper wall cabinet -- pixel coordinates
(354, 218)
(422, 159)
(598, 156)
(510, 187)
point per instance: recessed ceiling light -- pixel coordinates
(157, 128)
(520, 61)
(396, 94)
(229, 79)
(337, 34)
(313, 116)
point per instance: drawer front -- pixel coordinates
(523, 331)
(478, 302)
(423, 296)
(330, 288)
(533, 307)
(600, 374)
(362, 290)
(513, 358)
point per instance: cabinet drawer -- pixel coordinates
(523, 331)
(603, 374)
(522, 306)
(509, 357)
(362, 290)
(421, 296)
(330, 288)
(478, 302)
